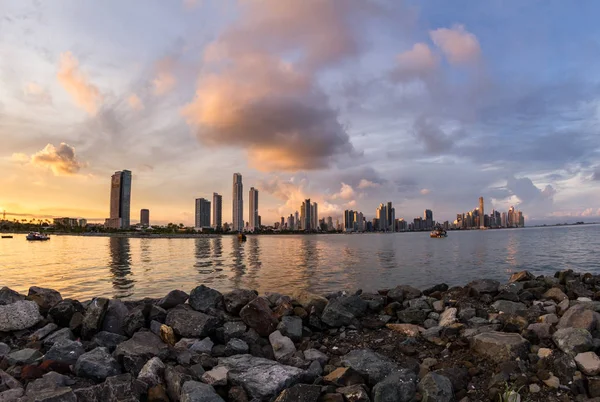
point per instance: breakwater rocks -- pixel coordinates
(530, 339)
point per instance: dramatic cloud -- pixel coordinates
(432, 137)
(61, 160)
(346, 193)
(135, 102)
(77, 84)
(36, 93)
(364, 183)
(419, 62)
(459, 46)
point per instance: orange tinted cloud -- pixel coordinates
(416, 62)
(37, 93)
(459, 45)
(84, 93)
(135, 102)
(60, 160)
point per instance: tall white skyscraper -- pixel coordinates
(314, 216)
(202, 213)
(253, 211)
(217, 212)
(238, 203)
(481, 214)
(306, 215)
(381, 215)
(120, 201)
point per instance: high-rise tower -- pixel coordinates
(481, 214)
(307, 217)
(238, 203)
(202, 213)
(217, 211)
(253, 211)
(120, 201)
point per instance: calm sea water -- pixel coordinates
(84, 267)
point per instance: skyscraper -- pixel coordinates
(238, 203)
(202, 213)
(296, 221)
(217, 212)
(390, 216)
(428, 219)
(481, 214)
(253, 208)
(381, 216)
(348, 220)
(307, 220)
(145, 217)
(120, 201)
(314, 216)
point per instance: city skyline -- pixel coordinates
(427, 104)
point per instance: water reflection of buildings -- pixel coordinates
(120, 266)
(203, 255)
(238, 267)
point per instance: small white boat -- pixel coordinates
(33, 236)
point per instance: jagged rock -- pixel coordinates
(336, 314)
(4, 349)
(76, 323)
(62, 312)
(500, 346)
(63, 394)
(555, 294)
(234, 329)
(109, 340)
(343, 377)
(291, 327)
(19, 315)
(93, 318)
(436, 388)
(90, 394)
(203, 299)
(237, 394)
(448, 317)
(579, 316)
(119, 388)
(354, 393)
(203, 346)
(43, 332)
(542, 331)
(97, 365)
(236, 347)
(484, 286)
(282, 345)
(167, 335)
(173, 299)
(24, 356)
(175, 378)
(9, 296)
(261, 378)
(216, 376)
(65, 351)
(588, 363)
(11, 395)
(573, 340)
(508, 307)
(412, 316)
(237, 299)
(369, 364)
(8, 382)
(114, 319)
(157, 314)
(315, 355)
(522, 276)
(310, 301)
(45, 298)
(194, 391)
(258, 315)
(136, 319)
(135, 352)
(300, 393)
(191, 324)
(64, 333)
(400, 386)
(152, 372)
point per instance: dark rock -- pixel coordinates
(310, 301)
(314, 354)
(158, 393)
(258, 315)
(202, 346)
(118, 388)
(157, 314)
(9, 296)
(403, 292)
(458, 376)
(484, 286)
(203, 298)
(135, 352)
(173, 299)
(54, 337)
(236, 347)
(233, 329)
(237, 299)
(509, 307)
(108, 340)
(300, 393)
(152, 372)
(136, 319)
(399, 386)
(579, 316)
(500, 346)
(45, 298)
(63, 311)
(354, 393)
(49, 365)
(369, 364)
(412, 316)
(237, 394)
(194, 391)
(114, 319)
(191, 324)
(175, 378)
(90, 394)
(510, 296)
(442, 287)
(97, 365)
(40, 333)
(573, 340)
(76, 323)
(94, 316)
(23, 356)
(336, 315)
(63, 394)
(291, 327)
(344, 376)
(65, 351)
(436, 388)
(19, 315)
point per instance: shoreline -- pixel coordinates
(534, 338)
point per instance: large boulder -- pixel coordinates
(509, 307)
(63, 311)
(403, 292)
(310, 301)
(258, 315)
(45, 298)
(399, 386)
(261, 378)
(500, 346)
(203, 299)
(143, 346)
(9, 296)
(579, 316)
(237, 299)
(65, 351)
(555, 294)
(173, 299)
(94, 316)
(573, 340)
(194, 391)
(136, 319)
(436, 388)
(344, 310)
(291, 326)
(97, 365)
(448, 317)
(371, 365)
(191, 324)
(19, 315)
(114, 319)
(484, 286)
(521, 276)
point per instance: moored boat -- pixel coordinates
(241, 237)
(37, 236)
(7, 237)
(438, 233)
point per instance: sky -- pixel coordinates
(428, 104)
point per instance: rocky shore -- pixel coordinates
(530, 339)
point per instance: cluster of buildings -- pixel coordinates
(477, 218)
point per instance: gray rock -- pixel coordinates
(194, 391)
(157, 314)
(45, 298)
(49, 380)
(300, 393)
(24, 356)
(237, 299)
(399, 386)
(155, 327)
(436, 388)
(136, 319)
(484, 286)
(579, 316)
(412, 316)
(315, 355)
(310, 301)
(43, 332)
(65, 351)
(152, 372)
(4, 349)
(203, 346)
(97, 365)
(282, 345)
(118, 388)
(9, 296)
(109, 340)
(509, 307)
(173, 299)
(64, 333)
(63, 394)
(175, 378)
(403, 292)
(63, 312)
(11, 395)
(261, 378)
(143, 346)
(500, 346)
(466, 313)
(203, 299)
(588, 363)
(93, 318)
(315, 369)
(369, 364)
(217, 376)
(191, 324)
(573, 340)
(291, 326)
(236, 347)
(114, 319)
(258, 315)
(233, 329)
(90, 394)
(19, 315)
(354, 393)
(542, 331)
(337, 315)
(8, 382)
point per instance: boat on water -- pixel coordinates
(438, 233)
(7, 237)
(37, 236)
(242, 237)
